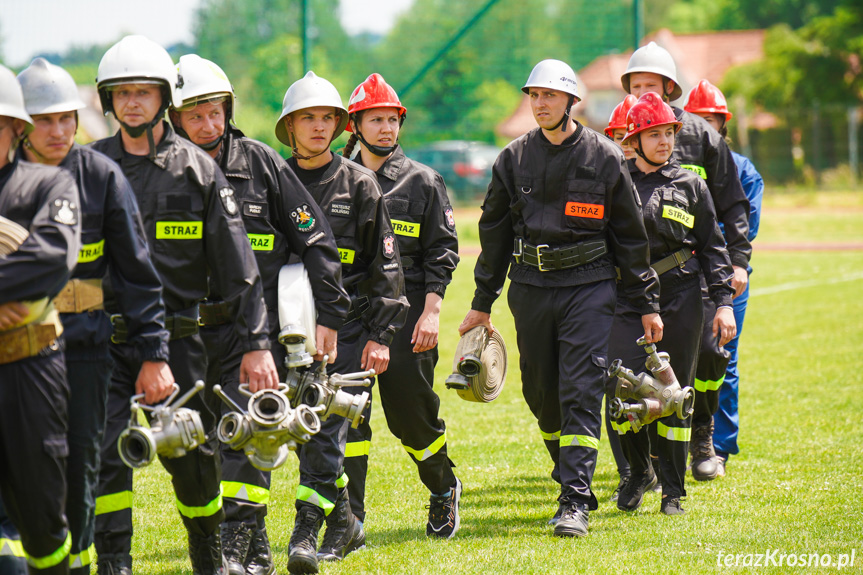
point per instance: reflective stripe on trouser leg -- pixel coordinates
(726, 420)
(356, 465)
(312, 497)
(711, 365)
(613, 431)
(12, 560)
(673, 446)
(83, 559)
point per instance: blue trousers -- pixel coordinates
(726, 420)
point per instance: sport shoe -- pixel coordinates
(259, 561)
(671, 506)
(632, 493)
(303, 547)
(344, 532)
(560, 507)
(443, 513)
(623, 481)
(704, 465)
(236, 538)
(573, 521)
(112, 566)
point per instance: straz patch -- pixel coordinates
(678, 215)
(449, 218)
(697, 169)
(262, 242)
(340, 209)
(64, 212)
(303, 217)
(179, 230)
(389, 245)
(91, 252)
(403, 228)
(579, 210)
(346, 256)
(227, 197)
(255, 209)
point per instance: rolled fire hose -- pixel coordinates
(479, 366)
(297, 315)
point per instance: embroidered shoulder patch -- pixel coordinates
(450, 218)
(227, 197)
(389, 245)
(303, 217)
(64, 212)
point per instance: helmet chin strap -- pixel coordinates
(565, 119)
(645, 158)
(380, 151)
(26, 143)
(138, 131)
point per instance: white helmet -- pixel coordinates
(654, 59)
(11, 97)
(203, 79)
(49, 89)
(310, 91)
(139, 60)
(553, 74)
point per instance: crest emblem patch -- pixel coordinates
(227, 197)
(303, 217)
(389, 245)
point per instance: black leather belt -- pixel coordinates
(676, 260)
(213, 313)
(551, 258)
(179, 325)
(359, 306)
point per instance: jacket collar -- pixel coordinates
(114, 148)
(233, 160)
(393, 165)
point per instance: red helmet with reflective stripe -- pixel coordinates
(617, 120)
(706, 98)
(649, 112)
(374, 92)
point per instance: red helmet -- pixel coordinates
(648, 112)
(374, 93)
(618, 116)
(706, 98)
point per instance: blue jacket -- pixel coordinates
(753, 186)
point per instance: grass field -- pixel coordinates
(795, 487)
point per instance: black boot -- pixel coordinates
(704, 464)
(259, 561)
(302, 549)
(206, 555)
(108, 565)
(344, 532)
(632, 494)
(236, 539)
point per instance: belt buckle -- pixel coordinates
(539, 249)
(518, 250)
(679, 258)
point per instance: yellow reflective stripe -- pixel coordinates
(309, 495)
(357, 448)
(54, 558)
(579, 441)
(346, 255)
(114, 502)
(423, 454)
(207, 510)
(179, 230)
(550, 436)
(402, 228)
(621, 428)
(83, 558)
(673, 433)
(246, 492)
(91, 252)
(708, 385)
(262, 242)
(11, 548)
(678, 215)
(697, 169)
(342, 481)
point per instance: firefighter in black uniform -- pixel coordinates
(39, 241)
(562, 196)
(422, 217)
(679, 217)
(701, 149)
(112, 241)
(269, 193)
(195, 231)
(350, 197)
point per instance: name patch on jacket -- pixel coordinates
(406, 228)
(255, 209)
(64, 212)
(179, 230)
(678, 215)
(340, 209)
(346, 256)
(303, 217)
(227, 196)
(580, 210)
(262, 242)
(91, 252)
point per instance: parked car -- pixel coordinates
(465, 166)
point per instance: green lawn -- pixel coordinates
(794, 487)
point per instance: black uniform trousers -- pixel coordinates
(34, 399)
(411, 408)
(682, 318)
(195, 476)
(562, 335)
(710, 371)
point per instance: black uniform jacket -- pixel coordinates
(112, 232)
(195, 231)
(281, 219)
(44, 201)
(351, 199)
(560, 195)
(679, 213)
(423, 222)
(700, 148)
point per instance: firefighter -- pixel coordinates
(349, 195)
(423, 222)
(707, 101)
(271, 197)
(113, 242)
(195, 232)
(40, 235)
(701, 149)
(559, 213)
(680, 219)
